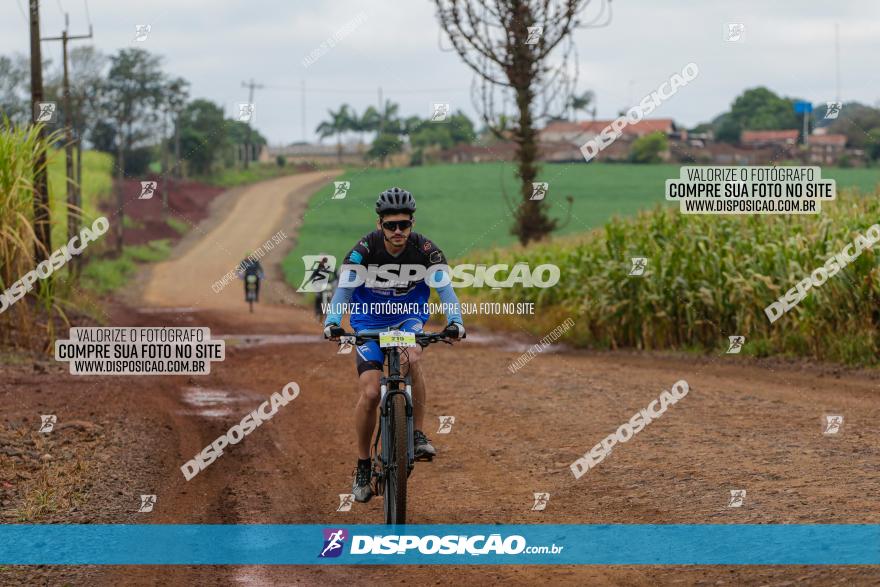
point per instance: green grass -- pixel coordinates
(462, 208)
(97, 172)
(102, 276)
(232, 177)
(179, 226)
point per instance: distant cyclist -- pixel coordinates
(250, 266)
(393, 242)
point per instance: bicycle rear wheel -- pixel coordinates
(396, 474)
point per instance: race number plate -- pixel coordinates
(397, 338)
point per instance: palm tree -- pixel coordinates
(339, 123)
(583, 102)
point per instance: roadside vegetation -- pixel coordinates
(707, 278)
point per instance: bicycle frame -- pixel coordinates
(389, 386)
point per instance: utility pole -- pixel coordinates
(73, 213)
(251, 86)
(43, 244)
(304, 111)
(381, 113)
(837, 62)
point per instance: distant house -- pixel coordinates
(768, 138)
(305, 152)
(581, 132)
(826, 149)
(464, 153)
(560, 139)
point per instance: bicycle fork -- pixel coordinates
(394, 382)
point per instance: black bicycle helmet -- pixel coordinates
(395, 200)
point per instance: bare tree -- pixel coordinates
(512, 47)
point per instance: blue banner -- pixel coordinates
(538, 544)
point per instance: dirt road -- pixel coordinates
(742, 426)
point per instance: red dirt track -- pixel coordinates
(743, 425)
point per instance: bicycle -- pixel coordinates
(393, 464)
(250, 294)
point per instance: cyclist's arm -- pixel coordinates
(340, 299)
(448, 297)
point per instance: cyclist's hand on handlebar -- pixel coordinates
(333, 331)
(454, 330)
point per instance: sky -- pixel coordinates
(395, 45)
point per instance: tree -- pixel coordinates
(860, 124)
(202, 135)
(509, 44)
(647, 148)
(340, 122)
(756, 109)
(457, 129)
(131, 94)
(175, 95)
(87, 66)
(385, 145)
(14, 82)
(583, 102)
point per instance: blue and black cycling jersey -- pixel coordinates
(374, 293)
(250, 267)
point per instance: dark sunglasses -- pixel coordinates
(393, 225)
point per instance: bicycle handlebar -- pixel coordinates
(422, 338)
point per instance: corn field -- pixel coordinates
(19, 149)
(710, 277)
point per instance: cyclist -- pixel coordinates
(251, 266)
(393, 242)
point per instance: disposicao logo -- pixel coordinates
(334, 541)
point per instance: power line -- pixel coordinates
(358, 91)
(88, 15)
(21, 10)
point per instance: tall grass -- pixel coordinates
(20, 148)
(709, 277)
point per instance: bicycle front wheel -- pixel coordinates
(396, 475)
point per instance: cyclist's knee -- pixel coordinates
(368, 385)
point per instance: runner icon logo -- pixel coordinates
(346, 343)
(148, 188)
(317, 270)
(141, 32)
(736, 344)
(440, 112)
(345, 502)
(639, 264)
(334, 540)
(446, 423)
(737, 497)
(833, 422)
(147, 503)
(246, 112)
(535, 33)
(735, 32)
(340, 189)
(541, 500)
(45, 111)
(48, 423)
(539, 190)
(832, 109)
